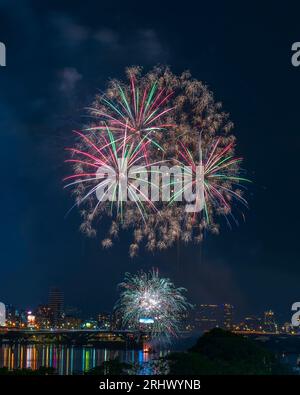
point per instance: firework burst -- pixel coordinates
(140, 107)
(221, 178)
(107, 171)
(152, 303)
(154, 119)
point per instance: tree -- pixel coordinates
(223, 352)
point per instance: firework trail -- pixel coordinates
(152, 303)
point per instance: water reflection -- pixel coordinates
(68, 360)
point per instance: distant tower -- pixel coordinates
(2, 314)
(228, 316)
(269, 321)
(56, 304)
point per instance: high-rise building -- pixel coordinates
(270, 324)
(104, 320)
(209, 316)
(56, 304)
(43, 315)
(10, 315)
(228, 316)
(116, 321)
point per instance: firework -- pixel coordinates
(221, 178)
(155, 119)
(106, 174)
(152, 303)
(140, 107)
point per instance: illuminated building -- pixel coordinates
(56, 304)
(43, 315)
(30, 320)
(269, 322)
(71, 318)
(250, 324)
(15, 318)
(116, 321)
(70, 322)
(90, 324)
(228, 316)
(184, 320)
(287, 328)
(209, 316)
(10, 315)
(104, 320)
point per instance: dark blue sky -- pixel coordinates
(59, 54)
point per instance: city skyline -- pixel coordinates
(149, 194)
(251, 265)
(224, 313)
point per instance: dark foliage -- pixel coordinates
(223, 352)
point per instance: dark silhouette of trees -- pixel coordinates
(223, 352)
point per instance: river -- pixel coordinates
(68, 360)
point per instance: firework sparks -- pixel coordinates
(141, 110)
(155, 119)
(222, 182)
(152, 303)
(104, 155)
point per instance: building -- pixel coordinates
(116, 321)
(56, 304)
(209, 316)
(288, 328)
(15, 318)
(31, 321)
(70, 322)
(270, 324)
(89, 324)
(104, 320)
(250, 323)
(43, 316)
(228, 316)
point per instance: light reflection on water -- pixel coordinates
(67, 360)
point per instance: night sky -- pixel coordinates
(59, 55)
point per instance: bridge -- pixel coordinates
(93, 337)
